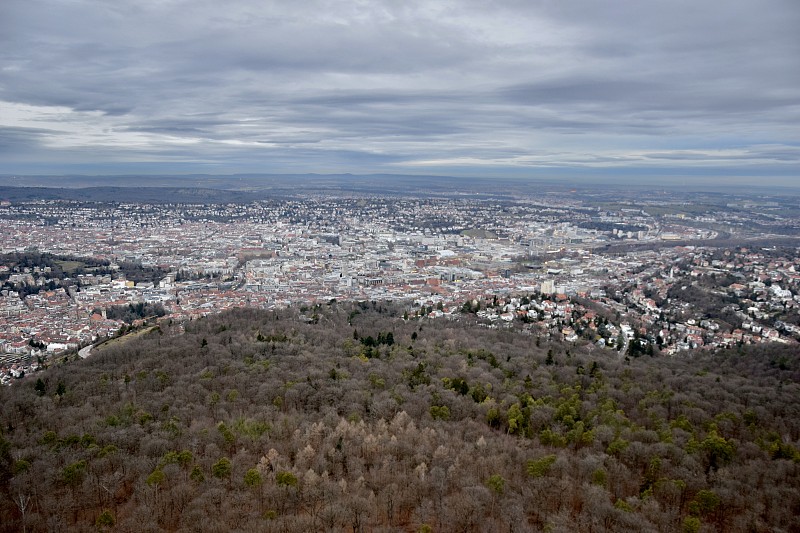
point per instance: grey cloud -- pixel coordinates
(756, 153)
(579, 90)
(388, 82)
(13, 140)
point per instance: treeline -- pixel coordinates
(709, 303)
(133, 270)
(134, 311)
(57, 277)
(136, 272)
(262, 421)
(18, 261)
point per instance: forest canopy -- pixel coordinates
(268, 421)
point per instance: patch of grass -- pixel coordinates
(70, 267)
(117, 341)
(479, 233)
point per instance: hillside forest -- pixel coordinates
(350, 417)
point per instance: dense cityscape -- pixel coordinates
(658, 275)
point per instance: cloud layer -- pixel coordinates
(666, 87)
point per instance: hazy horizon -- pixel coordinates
(401, 183)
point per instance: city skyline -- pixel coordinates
(661, 91)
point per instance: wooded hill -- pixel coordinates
(349, 418)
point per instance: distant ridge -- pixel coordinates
(251, 187)
(151, 195)
(244, 181)
(258, 186)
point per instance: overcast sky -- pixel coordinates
(541, 88)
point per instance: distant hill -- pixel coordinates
(150, 195)
(610, 188)
(195, 187)
(345, 417)
(276, 185)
